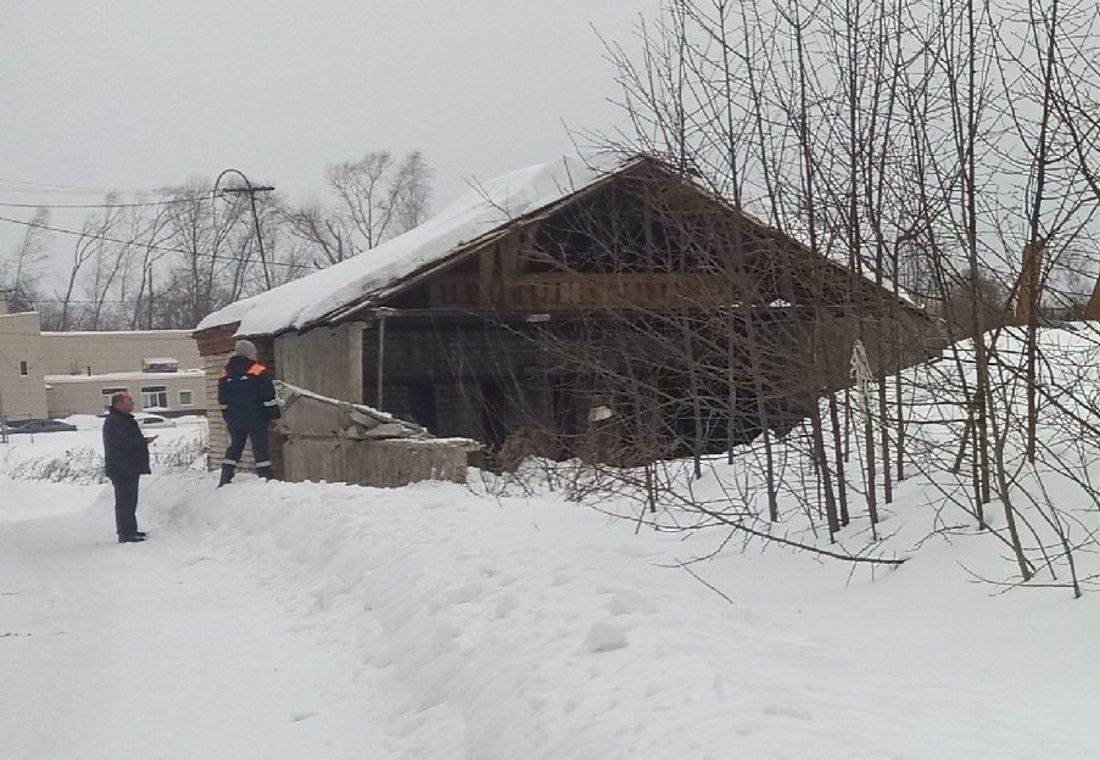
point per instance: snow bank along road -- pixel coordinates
(427, 623)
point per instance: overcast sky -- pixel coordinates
(136, 94)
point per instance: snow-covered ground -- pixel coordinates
(77, 456)
(278, 620)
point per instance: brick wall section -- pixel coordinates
(215, 348)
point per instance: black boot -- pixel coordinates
(227, 474)
(265, 472)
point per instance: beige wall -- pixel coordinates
(82, 394)
(22, 396)
(325, 360)
(97, 353)
(63, 361)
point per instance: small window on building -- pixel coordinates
(23, 369)
(108, 392)
(154, 396)
(187, 398)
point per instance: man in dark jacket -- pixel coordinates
(126, 454)
(246, 395)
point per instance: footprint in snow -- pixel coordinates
(604, 637)
(788, 712)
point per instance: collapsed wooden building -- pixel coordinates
(599, 307)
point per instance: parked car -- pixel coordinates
(40, 426)
(148, 421)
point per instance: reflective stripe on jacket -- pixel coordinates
(246, 394)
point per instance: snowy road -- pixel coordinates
(320, 621)
(156, 650)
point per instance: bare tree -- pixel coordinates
(21, 269)
(927, 148)
(322, 230)
(376, 198)
(98, 233)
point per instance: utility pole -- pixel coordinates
(3, 422)
(251, 191)
(150, 269)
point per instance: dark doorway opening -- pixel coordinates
(494, 411)
(418, 399)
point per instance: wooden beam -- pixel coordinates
(506, 256)
(487, 257)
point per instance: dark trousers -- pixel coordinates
(260, 449)
(126, 498)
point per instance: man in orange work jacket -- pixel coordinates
(246, 396)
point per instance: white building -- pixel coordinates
(55, 374)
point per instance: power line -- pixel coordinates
(148, 246)
(104, 302)
(165, 202)
(60, 189)
(35, 191)
(41, 188)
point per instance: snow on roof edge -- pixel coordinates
(481, 210)
(487, 209)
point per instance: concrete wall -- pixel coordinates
(311, 441)
(322, 444)
(325, 360)
(97, 353)
(382, 464)
(22, 388)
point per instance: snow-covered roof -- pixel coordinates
(480, 210)
(472, 219)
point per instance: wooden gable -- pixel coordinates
(646, 238)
